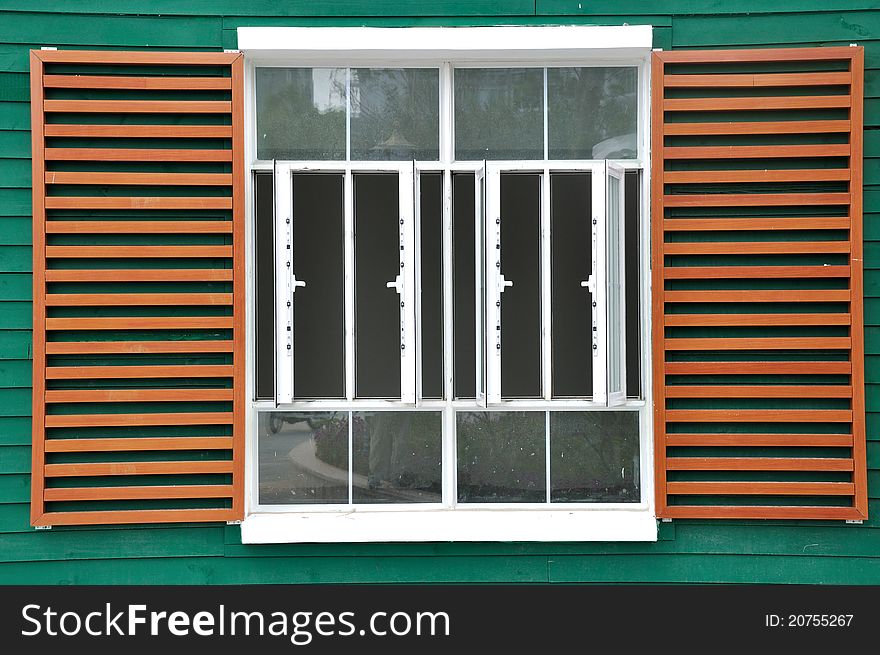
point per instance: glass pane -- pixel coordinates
(431, 234)
(592, 113)
(395, 113)
(594, 457)
(464, 272)
(397, 457)
(632, 268)
(377, 308)
(303, 457)
(264, 244)
(499, 113)
(615, 329)
(319, 307)
(501, 457)
(571, 263)
(300, 113)
(521, 303)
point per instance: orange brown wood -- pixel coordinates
(757, 320)
(151, 370)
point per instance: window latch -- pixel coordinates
(296, 283)
(503, 284)
(589, 284)
(397, 284)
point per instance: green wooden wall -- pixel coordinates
(688, 551)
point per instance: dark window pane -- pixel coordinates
(303, 457)
(594, 457)
(377, 308)
(431, 216)
(319, 307)
(264, 257)
(464, 272)
(521, 303)
(571, 262)
(397, 457)
(501, 457)
(631, 270)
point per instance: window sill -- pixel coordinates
(450, 525)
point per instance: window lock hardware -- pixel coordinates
(397, 283)
(296, 283)
(589, 284)
(502, 283)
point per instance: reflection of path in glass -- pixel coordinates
(289, 455)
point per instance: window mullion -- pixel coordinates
(407, 297)
(546, 291)
(283, 284)
(598, 287)
(493, 289)
(349, 284)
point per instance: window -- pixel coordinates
(456, 255)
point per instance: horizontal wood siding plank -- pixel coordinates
(759, 464)
(758, 367)
(136, 154)
(761, 103)
(758, 440)
(749, 224)
(729, 320)
(756, 152)
(138, 106)
(759, 127)
(123, 517)
(753, 272)
(765, 175)
(161, 179)
(756, 199)
(141, 131)
(756, 80)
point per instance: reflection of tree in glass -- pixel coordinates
(300, 113)
(394, 114)
(501, 456)
(594, 456)
(592, 113)
(499, 113)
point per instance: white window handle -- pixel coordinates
(397, 284)
(503, 284)
(297, 283)
(590, 284)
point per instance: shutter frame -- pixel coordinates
(667, 492)
(230, 270)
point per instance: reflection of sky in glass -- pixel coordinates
(328, 89)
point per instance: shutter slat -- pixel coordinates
(119, 445)
(120, 347)
(180, 237)
(778, 361)
(136, 395)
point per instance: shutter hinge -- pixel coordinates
(853, 45)
(665, 520)
(238, 522)
(48, 47)
(230, 52)
(656, 49)
(42, 527)
(854, 521)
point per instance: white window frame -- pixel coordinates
(446, 48)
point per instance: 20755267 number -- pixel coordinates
(808, 620)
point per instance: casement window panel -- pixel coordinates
(138, 232)
(757, 283)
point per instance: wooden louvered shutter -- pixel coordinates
(138, 200)
(757, 283)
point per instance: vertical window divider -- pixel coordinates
(547, 454)
(408, 276)
(598, 298)
(350, 457)
(544, 113)
(546, 289)
(284, 283)
(348, 195)
(448, 445)
(348, 113)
